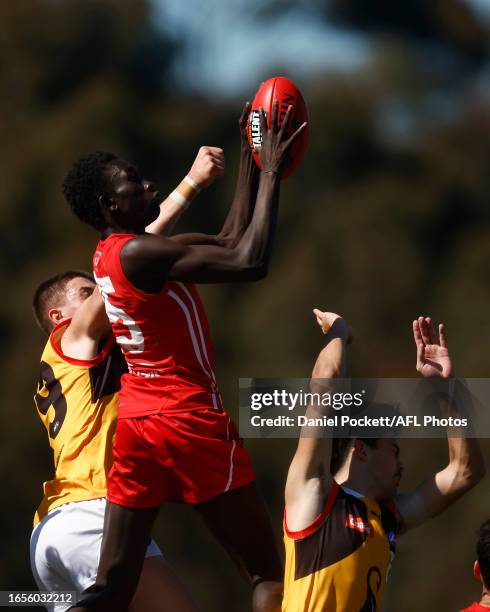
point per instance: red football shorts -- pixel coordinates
(184, 456)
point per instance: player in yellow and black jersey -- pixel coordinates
(343, 510)
(76, 400)
(349, 572)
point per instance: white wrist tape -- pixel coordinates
(185, 192)
(192, 183)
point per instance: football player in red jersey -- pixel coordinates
(174, 441)
(481, 569)
(77, 402)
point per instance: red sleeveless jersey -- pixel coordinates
(164, 337)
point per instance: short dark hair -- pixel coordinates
(50, 292)
(483, 552)
(84, 184)
(340, 448)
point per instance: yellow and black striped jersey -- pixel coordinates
(341, 562)
(77, 403)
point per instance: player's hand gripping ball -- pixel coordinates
(286, 93)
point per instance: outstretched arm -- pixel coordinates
(240, 213)
(208, 166)
(89, 324)
(148, 261)
(246, 189)
(465, 467)
(309, 473)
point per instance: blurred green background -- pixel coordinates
(388, 218)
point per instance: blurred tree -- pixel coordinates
(449, 23)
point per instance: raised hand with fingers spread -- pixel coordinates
(433, 357)
(275, 141)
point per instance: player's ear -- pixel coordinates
(360, 450)
(477, 571)
(107, 204)
(55, 315)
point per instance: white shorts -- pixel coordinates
(65, 548)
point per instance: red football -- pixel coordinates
(285, 92)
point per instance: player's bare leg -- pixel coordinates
(239, 521)
(127, 532)
(160, 589)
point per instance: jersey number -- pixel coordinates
(134, 341)
(48, 394)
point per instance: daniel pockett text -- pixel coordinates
(407, 408)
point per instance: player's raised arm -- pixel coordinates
(465, 467)
(309, 473)
(240, 213)
(249, 259)
(208, 166)
(148, 261)
(247, 184)
(87, 326)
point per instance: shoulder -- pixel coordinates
(299, 530)
(150, 245)
(108, 250)
(53, 353)
(57, 333)
(77, 344)
(146, 259)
